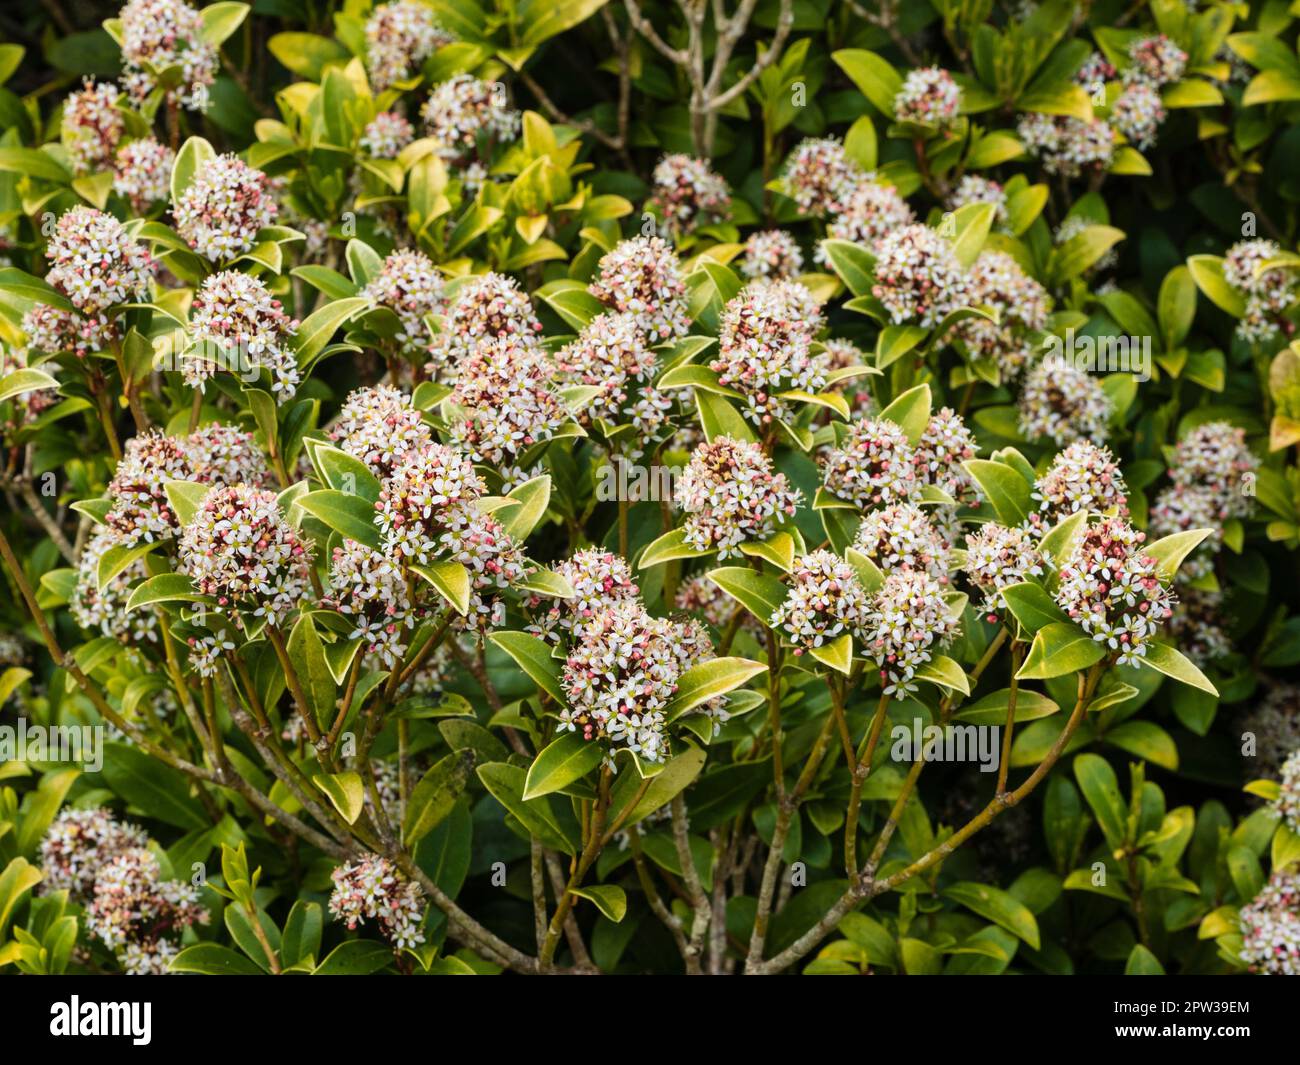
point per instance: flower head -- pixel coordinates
(1084, 477)
(399, 38)
(907, 619)
(461, 108)
(900, 536)
(236, 324)
(379, 425)
(731, 495)
(1215, 455)
(140, 508)
(133, 911)
(1155, 61)
(825, 602)
(430, 495)
(771, 253)
(874, 464)
(1067, 145)
(918, 278)
(221, 210)
(104, 609)
(373, 887)
(387, 134)
(928, 97)
(1270, 926)
(974, 188)
(142, 173)
(612, 354)
(80, 842)
(409, 285)
(820, 176)
(503, 389)
(642, 277)
(1064, 404)
(95, 263)
(158, 34)
(92, 126)
(371, 591)
(226, 454)
(996, 558)
(1138, 113)
(940, 454)
(687, 193)
(598, 578)
(486, 307)
(871, 211)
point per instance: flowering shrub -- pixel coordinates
(574, 487)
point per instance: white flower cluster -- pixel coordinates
(901, 537)
(222, 209)
(1268, 294)
(997, 557)
(140, 509)
(504, 399)
(825, 601)
(410, 285)
(461, 108)
(928, 97)
(431, 496)
(642, 277)
(92, 126)
(78, 843)
(1274, 725)
(907, 620)
(379, 425)
(1022, 305)
(820, 177)
(598, 578)
(226, 454)
(159, 34)
(239, 549)
(1287, 803)
(1064, 404)
(54, 331)
(387, 134)
(1270, 926)
(1138, 113)
(731, 495)
(374, 887)
(975, 188)
(103, 610)
(95, 263)
(236, 324)
(918, 278)
(765, 347)
(487, 306)
(371, 591)
(771, 253)
(142, 173)
(1197, 627)
(874, 464)
(945, 445)
(1155, 61)
(871, 211)
(132, 906)
(1111, 588)
(1215, 456)
(399, 37)
(1067, 145)
(610, 353)
(1082, 477)
(687, 193)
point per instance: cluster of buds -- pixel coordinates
(1111, 588)
(1084, 477)
(699, 595)
(1287, 803)
(974, 188)
(158, 35)
(765, 347)
(400, 37)
(1273, 724)
(95, 263)
(140, 510)
(1182, 507)
(375, 888)
(92, 126)
(80, 842)
(1155, 61)
(642, 277)
(379, 425)
(137, 914)
(494, 562)
(874, 464)
(907, 619)
(1066, 145)
(221, 211)
(371, 591)
(486, 307)
(236, 324)
(103, 610)
(54, 331)
(928, 97)
(239, 549)
(686, 193)
(771, 253)
(901, 537)
(918, 278)
(504, 399)
(387, 134)
(731, 496)
(941, 453)
(871, 211)
(1063, 404)
(598, 578)
(820, 177)
(611, 353)
(1270, 926)
(1215, 456)
(1096, 70)
(409, 285)
(226, 454)
(996, 558)
(1268, 293)
(825, 601)
(431, 494)
(461, 109)
(142, 173)
(1138, 113)
(1022, 306)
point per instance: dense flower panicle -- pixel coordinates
(1273, 727)
(222, 209)
(80, 842)
(371, 590)
(104, 609)
(901, 537)
(598, 578)
(92, 126)
(373, 887)
(1183, 507)
(945, 445)
(825, 602)
(240, 549)
(765, 347)
(1063, 404)
(1155, 61)
(142, 173)
(1066, 145)
(907, 620)
(387, 134)
(1270, 926)
(95, 263)
(974, 188)
(461, 108)
(1197, 627)
(875, 464)
(431, 493)
(237, 325)
(488, 306)
(399, 38)
(872, 211)
(1111, 588)
(1138, 113)
(140, 509)
(1287, 804)
(1215, 455)
(618, 678)
(164, 33)
(1096, 69)
(772, 253)
(131, 903)
(379, 425)
(503, 389)
(611, 353)
(642, 277)
(928, 97)
(1084, 476)
(998, 280)
(731, 495)
(494, 561)
(225, 454)
(918, 278)
(409, 285)
(54, 331)
(820, 176)
(687, 193)
(996, 557)
(1268, 294)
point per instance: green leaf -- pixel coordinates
(992, 709)
(997, 906)
(534, 658)
(306, 54)
(910, 412)
(533, 498)
(356, 957)
(1101, 789)
(29, 289)
(321, 325)
(838, 654)
(1141, 962)
(758, 593)
(610, 900)
(1005, 488)
(451, 580)
(505, 782)
(302, 933)
(435, 796)
(1207, 271)
(33, 163)
(348, 515)
(677, 774)
(708, 680)
(1146, 740)
(221, 20)
(158, 790)
(855, 265)
(186, 497)
(563, 761)
(1032, 606)
(1173, 663)
(875, 78)
(20, 382)
(195, 155)
(165, 588)
(667, 547)
(1176, 306)
(212, 959)
(972, 223)
(1059, 649)
(307, 654)
(945, 673)
(1170, 551)
(346, 792)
